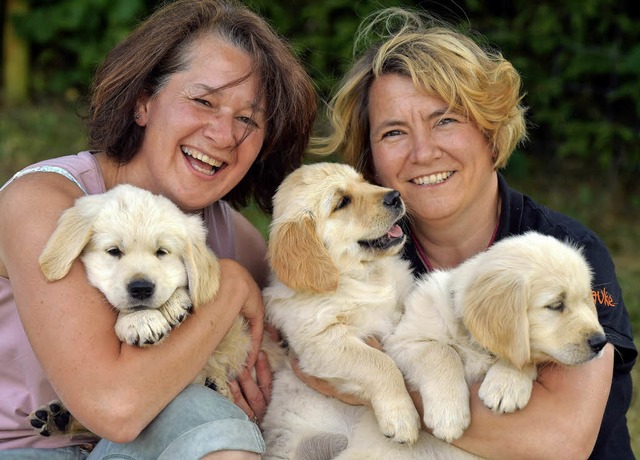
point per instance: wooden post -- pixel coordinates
(16, 57)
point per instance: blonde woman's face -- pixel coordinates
(201, 140)
(438, 160)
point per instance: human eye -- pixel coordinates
(391, 133)
(250, 122)
(446, 121)
(202, 101)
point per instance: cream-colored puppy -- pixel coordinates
(524, 301)
(337, 279)
(151, 262)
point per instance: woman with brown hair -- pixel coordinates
(203, 103)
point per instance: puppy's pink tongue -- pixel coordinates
(395, 232)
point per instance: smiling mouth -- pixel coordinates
(433, 179)
(393, 237)
(201, 162)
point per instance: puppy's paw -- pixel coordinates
(51, 419)
(178, 307)
(506, 389)
(398, 419)
(143, 327)
(448, 415)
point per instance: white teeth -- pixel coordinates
(201, 156)
(433, 178)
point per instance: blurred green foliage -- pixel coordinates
(580, 62)
(70, 37)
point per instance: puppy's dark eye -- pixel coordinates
(558, 306)
(115, 252)
(161, 252)
(343, 203)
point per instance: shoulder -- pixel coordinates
(520, 213)
(30, 206)
(38, 195)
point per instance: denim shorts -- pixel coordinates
(197, 422)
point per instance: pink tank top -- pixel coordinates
(23, 384)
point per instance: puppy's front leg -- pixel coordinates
(506, 388)
(176, 309)
(150, 326)
(436, 369)
(142, 327)
(372, 375)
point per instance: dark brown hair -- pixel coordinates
(160, 47)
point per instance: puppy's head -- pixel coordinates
(528, 299)
(137, 248)
(327, 220)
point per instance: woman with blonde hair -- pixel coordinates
(428, 111)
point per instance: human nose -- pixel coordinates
(219, 129)
(424, 147)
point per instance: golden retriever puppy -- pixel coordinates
(524, 301)
(337, 279)
(151, 262)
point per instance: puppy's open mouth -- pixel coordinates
(394, 236)
(201, 162)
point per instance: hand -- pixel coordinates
(253, 396)
(252, 306)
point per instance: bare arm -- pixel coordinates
(566, 408)
(114, 389)
(252, 396)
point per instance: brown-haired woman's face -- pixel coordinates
(437, 159)
(201, 140)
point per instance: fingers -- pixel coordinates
(251, 396)
(253, 312)
(374, 343)
(256, 329)
(238, 399)
(264, 376)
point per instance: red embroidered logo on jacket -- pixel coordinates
(602, 297)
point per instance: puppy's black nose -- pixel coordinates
(392, 199)
(597, 342)
(140, 289)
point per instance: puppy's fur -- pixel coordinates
(337, 280)
(525, 301)
(151, 262)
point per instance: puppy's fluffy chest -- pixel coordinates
(366, 303)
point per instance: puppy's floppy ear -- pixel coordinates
(203, 268)
(73, 232)
(495, 312)
(299, 258)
